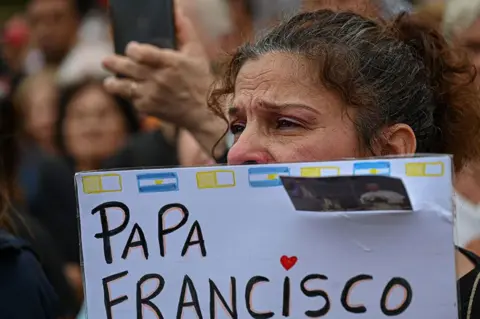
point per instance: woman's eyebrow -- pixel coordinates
(274, 107)
(278, 107)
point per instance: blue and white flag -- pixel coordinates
(267, 176)
(155, 183)
(371, 168)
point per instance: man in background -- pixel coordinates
(54, 28)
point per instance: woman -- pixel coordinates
(323, 86)
(36, 98)
(25, 291)
(327, 85)
(92, 125)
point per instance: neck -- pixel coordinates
(467, 184)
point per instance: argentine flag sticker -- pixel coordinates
(156, 183)
(371, 168)
(267, 176)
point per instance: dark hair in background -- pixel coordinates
(84, 6)
(67, 94)
(401, 71)
(9, 158)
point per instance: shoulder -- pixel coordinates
(25, 292)
(469, 288)
(147, 149)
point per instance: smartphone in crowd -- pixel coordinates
(143, 21)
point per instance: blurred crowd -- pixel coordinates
(51, 69)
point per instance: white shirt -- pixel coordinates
(467, 221)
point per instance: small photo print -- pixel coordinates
(347, 193)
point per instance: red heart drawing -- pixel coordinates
(288, 262)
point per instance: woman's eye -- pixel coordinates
(237, 128)
(287, 123)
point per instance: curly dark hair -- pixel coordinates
(398, 71)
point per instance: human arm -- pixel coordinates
(171, 84)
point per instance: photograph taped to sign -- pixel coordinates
(245, 252)
(348, 193)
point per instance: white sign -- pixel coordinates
(227, 242)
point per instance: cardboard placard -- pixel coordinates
(227, 242)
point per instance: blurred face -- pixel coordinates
(40, 114)
(15, 42)
(281, 113)
(471, 40)
(213, 46)
(54, 26)
(94, 128)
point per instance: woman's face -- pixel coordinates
(281, 113)
(94, 127)
(40, 113)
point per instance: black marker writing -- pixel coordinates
(107, 233)
(188, 284)
(231, 309)
(146, 301)
(106, 293)
(141, 242)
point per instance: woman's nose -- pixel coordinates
(248, 151)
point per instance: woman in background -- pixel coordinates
(36, 100)
(92, 125)
(25, 291)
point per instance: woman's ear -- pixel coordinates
(398, 139)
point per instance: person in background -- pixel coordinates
(25, 291)
(461, 26)
(36, 100)
(92, 125)
(15, 42)
(383, 8)
(432, 12)
(54, 28)
(366, 7)
(254, 16)
(24, 225)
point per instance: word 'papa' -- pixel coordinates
(107, 233)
